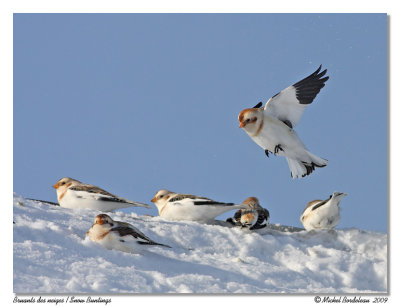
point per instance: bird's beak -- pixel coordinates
(56, 186)
(242, 124)
(154, 199)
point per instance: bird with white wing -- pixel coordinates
(271, 126)
(179, 207)
(322, 214)
(117, 235)
(253, 217)
(74, 194)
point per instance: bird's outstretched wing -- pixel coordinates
(289, 104)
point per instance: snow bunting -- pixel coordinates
(253, 216)
(74, 194)
(271, 127)
(118, 235)
(324, 214)
(179, 207)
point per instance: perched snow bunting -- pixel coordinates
(253, 216)
(324, 214)
(74, 194)
(176, 206)
(271, 127)
(118, 235)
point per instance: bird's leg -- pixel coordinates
(277, 148)
(267, 152)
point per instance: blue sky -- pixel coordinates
(138, 102)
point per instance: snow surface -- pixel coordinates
(52, 255)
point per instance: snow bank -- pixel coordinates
(51, 255)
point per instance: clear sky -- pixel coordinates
(138, 102)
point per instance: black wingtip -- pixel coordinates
(153, 243)
(212, 203)
(165, 245)
(258, 105)
(308, 88)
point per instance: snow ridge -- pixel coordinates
(51, 255)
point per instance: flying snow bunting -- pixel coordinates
(119, 235)
(271, 127)
(252, 217)
(74, 194)
(176, 206)
(324, 214)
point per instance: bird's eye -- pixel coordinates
(62, 183)
(161, 196)
(247, 120)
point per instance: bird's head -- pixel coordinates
(161, 196)
(250, 119)
(247, 218)
(64, 183)
(103, 219)
(337, 196)
(252, 203)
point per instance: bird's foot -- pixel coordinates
(277, 149)
(267, 152)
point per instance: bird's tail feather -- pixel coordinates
(154, 243)
(297, 169)
(317, 161)
(139, 204)
(300, 169)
